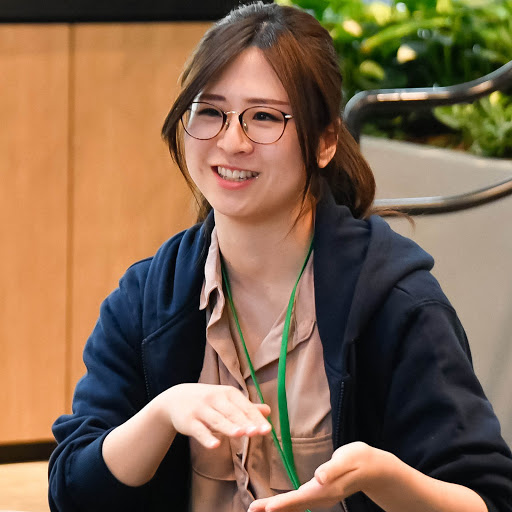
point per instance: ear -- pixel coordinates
(327, 144)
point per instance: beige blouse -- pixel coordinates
(240, 470)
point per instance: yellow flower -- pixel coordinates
(494, 98)
(372, 69)
(352, 27)
(381, 12)
(405, 53)
(444, 6)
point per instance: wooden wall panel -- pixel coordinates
(33, 217)
(128, 198)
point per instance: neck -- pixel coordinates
(265, 252)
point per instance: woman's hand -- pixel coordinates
(351, 468)
(386, 480)
(205, 411)
(134, 450)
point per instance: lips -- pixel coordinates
(235, 174)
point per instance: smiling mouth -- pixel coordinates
(235, 174)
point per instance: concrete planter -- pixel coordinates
(409, 170)
(472, 249)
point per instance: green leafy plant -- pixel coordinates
(486, 125)
(422, 43)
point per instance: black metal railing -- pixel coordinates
(446, 204)
(397, 101)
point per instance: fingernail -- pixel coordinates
(321, 477)
(251, 429)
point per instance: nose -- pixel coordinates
(232, 138)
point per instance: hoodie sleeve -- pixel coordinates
(437, 418)
(111, 391)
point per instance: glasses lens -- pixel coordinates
(263, 124)
(202, 120)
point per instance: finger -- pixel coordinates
(201, 433)
(220, 423)
(288, 501)
(253, 417)
(322, 473)
(343, 461)
(309, 495)
(263, 414)
(258, 505)
(257, 416)
(335, 467)
(235, 409)
(264, 409)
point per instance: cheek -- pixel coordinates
(292, 149)
(291, 157)
(192, 156)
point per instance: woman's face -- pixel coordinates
(275, 175)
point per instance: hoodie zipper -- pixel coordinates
(337, 433)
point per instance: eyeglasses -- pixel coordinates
(263, 125)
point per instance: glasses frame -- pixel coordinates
(225, 121)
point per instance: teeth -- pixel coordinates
(235, 175)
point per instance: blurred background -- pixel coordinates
(88, 187)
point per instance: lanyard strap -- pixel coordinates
(285, 451)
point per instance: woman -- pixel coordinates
(287, 301)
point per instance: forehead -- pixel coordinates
(248, 76)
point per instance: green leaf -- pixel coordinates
(396, 32)
(372, 69)
(452, 41)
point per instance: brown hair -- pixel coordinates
(302, 54)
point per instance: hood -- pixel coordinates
(357, 264)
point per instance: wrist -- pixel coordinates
(159, 410)
(383, 468)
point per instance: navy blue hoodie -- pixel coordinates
(396, 359)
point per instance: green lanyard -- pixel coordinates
(285, 452)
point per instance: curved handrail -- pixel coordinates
(405, 100)
(445, 204)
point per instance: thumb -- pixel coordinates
(322, 473)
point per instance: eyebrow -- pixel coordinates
(253, 101)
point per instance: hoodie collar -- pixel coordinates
(357, 263)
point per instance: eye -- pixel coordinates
(266, 115)
(207, 111)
